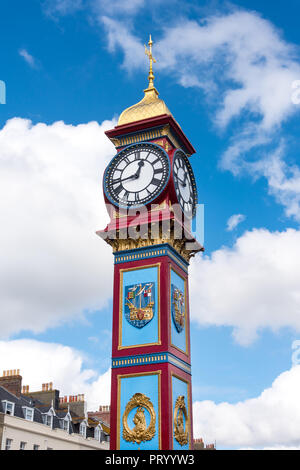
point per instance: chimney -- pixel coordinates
(11, 380)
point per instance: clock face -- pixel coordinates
(137, 175)
(185, 185)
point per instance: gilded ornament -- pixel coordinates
(181, 422)
(140, 432)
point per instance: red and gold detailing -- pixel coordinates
(151, 397)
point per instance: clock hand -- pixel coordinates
(182, 182)
(135, 175)
(140, 164)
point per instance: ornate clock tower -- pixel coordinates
(151, 197)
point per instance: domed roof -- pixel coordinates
(148, 107)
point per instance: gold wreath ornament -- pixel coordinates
(181, 422)
(140, 432)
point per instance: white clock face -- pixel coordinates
(137, 175)
(184, 182)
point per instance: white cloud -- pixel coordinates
(234, 221)
(246, 70)
(251, 286)
(49, 362)
(27, 57)
(117, 7)
(271, 420)
(51, 204)
(117, 33)
(62, 7)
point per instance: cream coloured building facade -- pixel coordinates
(37, 436)
(43, 420)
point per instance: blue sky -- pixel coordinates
(225, 70)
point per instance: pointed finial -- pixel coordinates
(148, 52)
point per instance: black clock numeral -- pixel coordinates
(156, 181)
(137, 155)
(158, 171)
(118, 189)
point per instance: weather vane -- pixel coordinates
(148, 52)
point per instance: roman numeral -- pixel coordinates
(155, 181)
(118, 189)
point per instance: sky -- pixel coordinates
(230, 74)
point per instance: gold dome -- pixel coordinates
(148, 107)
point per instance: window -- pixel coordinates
(28, 413)
(82, 429)
(66, 424)
(48, 419)
(22, 445)
(99, 435)
(8, 444)
(36, 447)
(9, 407)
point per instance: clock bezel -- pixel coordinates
(193, 181)
(114, 161)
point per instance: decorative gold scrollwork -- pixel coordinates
(181, 422)
(140, 432)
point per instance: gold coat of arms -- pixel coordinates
(140, 432)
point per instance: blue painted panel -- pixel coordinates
(178, 334)
(149, 386)
(179, 388)
(148, 333)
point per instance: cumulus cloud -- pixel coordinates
(251, 286)
(51, 204)
(41, 362)
(234, 221)
(271, 420)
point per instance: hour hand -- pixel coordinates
(182, 182)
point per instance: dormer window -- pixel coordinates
(28, 413)
(82, 429)
(98, 433)
(9, 407)
(48, 419)
(66, 424)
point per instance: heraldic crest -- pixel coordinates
(139, 304)
(178, 308)
(140, 432)
(181, 421)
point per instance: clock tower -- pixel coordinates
(151, 197)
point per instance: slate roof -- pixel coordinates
(40, 409)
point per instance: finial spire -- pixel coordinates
(148, 52)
